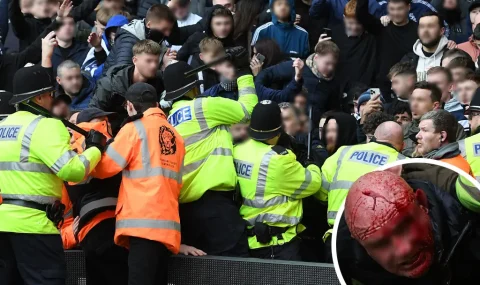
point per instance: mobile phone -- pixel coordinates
(374, 92)
(328, 32)
(260, 57)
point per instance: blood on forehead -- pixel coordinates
(375, 199)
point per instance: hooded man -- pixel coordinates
(428, 49)
(91, 63)
(292, 39)
(399, 232)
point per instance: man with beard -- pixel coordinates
(399, 232)
(428, 49)
(351, 161)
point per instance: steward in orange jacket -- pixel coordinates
(149, 152)
(93, 207)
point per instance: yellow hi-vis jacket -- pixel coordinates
(469, 195)
(203, 123)
(272, 184)
(345, 166)
(35, 158)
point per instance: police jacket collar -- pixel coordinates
(374, 140)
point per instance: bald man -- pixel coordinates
(396, 232)
(350, 162)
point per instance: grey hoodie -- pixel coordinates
(425, 63)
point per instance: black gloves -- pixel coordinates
(96, 139)
(240, 59)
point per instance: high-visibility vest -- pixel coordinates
(89, 204)
(470, 149)
(272, 184)
(203, 123)
(468, 194)
(66, 228)
(345, 166)
(35, 159)
(150, 153)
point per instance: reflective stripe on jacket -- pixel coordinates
(35, 159)
(272, 185)
(345, 166)
(468, 196)
(203, 123)
(150, 153)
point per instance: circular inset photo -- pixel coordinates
(411, 222)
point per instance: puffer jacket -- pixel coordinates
(110, 93)
(448, 220)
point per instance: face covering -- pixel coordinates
(155, 36)
(228, 85)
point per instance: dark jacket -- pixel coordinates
(144, 5)
(27, 28)
(263, 93)
(323, 94)
(458, 20)
(77, 52)
(448, 221)
(292, 39)
(128, 35)
(10, 63)
(191, 48)
(110, 93)
(81, 100)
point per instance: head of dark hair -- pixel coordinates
(443, 121)
(402, 68)
(400, 108)
(374, 120)
(303, 93)
(443, 70)
(433, 14)
(476, 33)
(272, 52)
(472, 76)
(435, 93)
(142, 107)
(327, 114)
(465, 62)
(183, 3)
(160, 12)
(246, 14)
(407, 2)
(454, 53)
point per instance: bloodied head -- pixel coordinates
(391, 222)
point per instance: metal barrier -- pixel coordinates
(185, 270)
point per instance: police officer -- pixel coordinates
(272, 184)
(35, 159)
(210, 218)
(346, 165)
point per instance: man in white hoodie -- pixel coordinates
(428, 49)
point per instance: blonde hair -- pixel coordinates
(211, 45)
(349, 10)
(146, 46)
(103, 15)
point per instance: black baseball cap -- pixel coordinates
(142, 93)
(91, 113)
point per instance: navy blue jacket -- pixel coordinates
(78, 53)
(323, 94)
(292, 39)
(263, 93)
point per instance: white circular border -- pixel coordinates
(396, 163)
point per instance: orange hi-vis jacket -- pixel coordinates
(150, 153)
(78, 145)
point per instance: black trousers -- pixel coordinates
(147, 262)
(214, 225)
(31, 259)
(288, 251)
(106, 263)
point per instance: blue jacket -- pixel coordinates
(292, 39)
(263, 93)
(324, 8)
(90, 65)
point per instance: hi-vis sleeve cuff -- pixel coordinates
(74, 168)
(468, 194)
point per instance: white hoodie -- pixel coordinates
(425, 63)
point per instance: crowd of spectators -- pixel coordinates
(353, 64)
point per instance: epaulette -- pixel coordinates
(280, 149)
